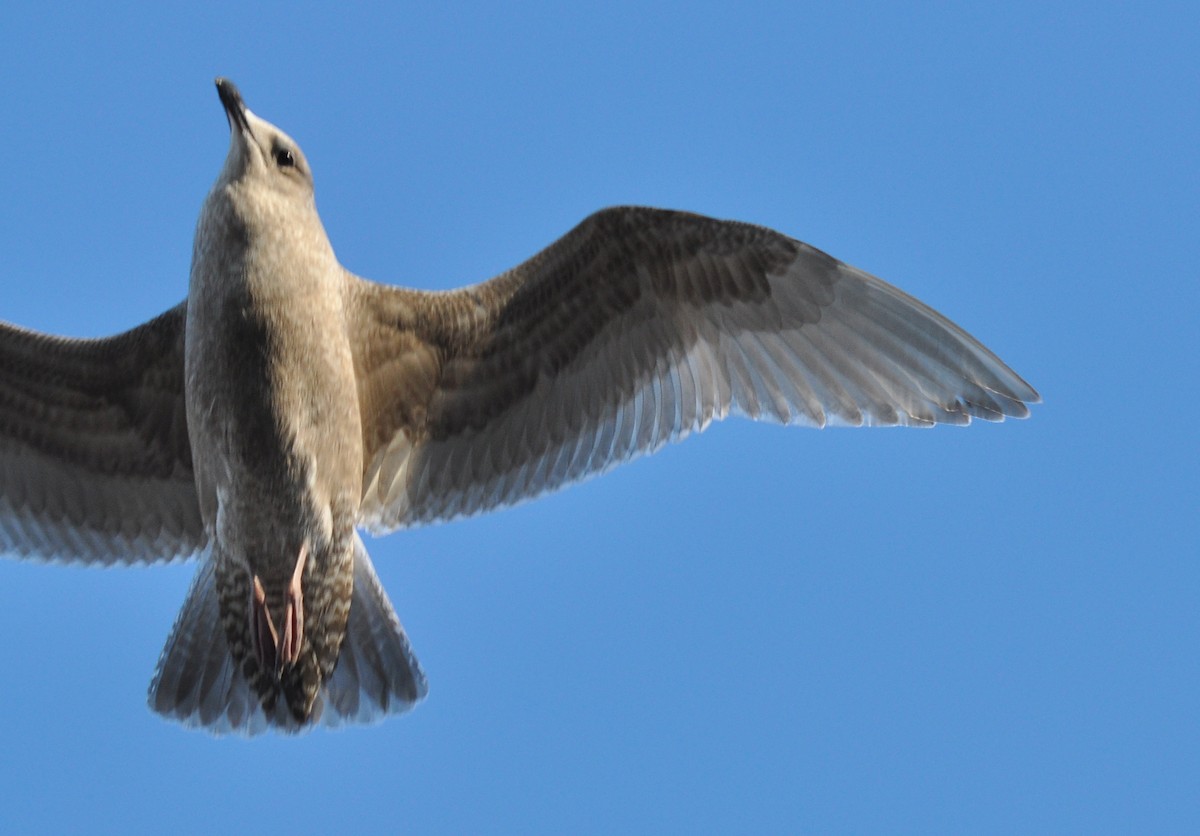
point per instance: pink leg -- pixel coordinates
(293, 616)
(262, 629)
(272, 650)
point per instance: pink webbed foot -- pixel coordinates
(273, 651)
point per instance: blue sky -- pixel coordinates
(990, 629)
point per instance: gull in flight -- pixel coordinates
(287, 403)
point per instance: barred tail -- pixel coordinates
(197, 684)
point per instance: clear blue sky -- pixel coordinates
(991, 629)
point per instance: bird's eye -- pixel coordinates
(284, 158)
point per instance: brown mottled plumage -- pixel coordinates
(288, 402)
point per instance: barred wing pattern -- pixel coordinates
(637, 328)
(95, 463)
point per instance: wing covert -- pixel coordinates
(95, 463)
(637, 328)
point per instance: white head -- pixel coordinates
(261, 152)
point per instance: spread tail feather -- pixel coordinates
(377, 673)
(197, 684)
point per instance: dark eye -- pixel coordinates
(284, 158)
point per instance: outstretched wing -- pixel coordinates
(95, 463)
(636, 328)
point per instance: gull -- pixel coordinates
(286, 404)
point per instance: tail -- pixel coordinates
(197, 684)
(377, 673)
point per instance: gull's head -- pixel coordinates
(261, 155)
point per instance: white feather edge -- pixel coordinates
(875, 357)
